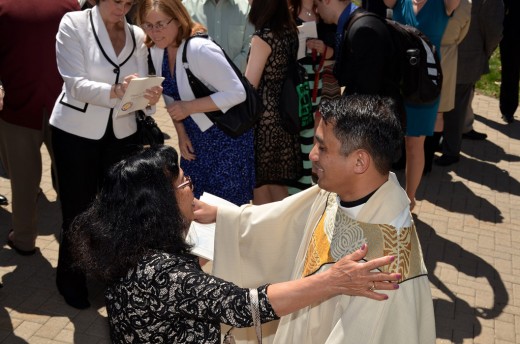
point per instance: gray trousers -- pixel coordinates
(470, 115)
(456, 119)
(21, 156)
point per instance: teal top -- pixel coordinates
(431, 20)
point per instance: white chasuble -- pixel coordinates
(305, 234)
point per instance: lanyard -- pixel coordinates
(317, 71)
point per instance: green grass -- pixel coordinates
(489, 84)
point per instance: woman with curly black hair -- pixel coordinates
(133, 238)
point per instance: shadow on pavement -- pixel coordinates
(452, 309)
(29, 285)
(510, 130)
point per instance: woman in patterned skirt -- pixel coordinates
(274, 45)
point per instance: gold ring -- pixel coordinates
(373, 287)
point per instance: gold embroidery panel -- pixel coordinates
(337, 235)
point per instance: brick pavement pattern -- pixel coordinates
(467, 217)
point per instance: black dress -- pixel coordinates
(277, 152)
(169, 299)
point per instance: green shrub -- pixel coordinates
(489, 84)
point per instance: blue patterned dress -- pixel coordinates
(431, 20)
(224, 166)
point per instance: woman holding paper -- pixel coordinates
(219, 164)
(133, 238)
(98, 54)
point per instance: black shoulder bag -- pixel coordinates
(241, 117)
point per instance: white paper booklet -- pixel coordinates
(305, 31)
(134, 99)
(202, 236)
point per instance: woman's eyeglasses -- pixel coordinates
(187, 183)
(157, 26)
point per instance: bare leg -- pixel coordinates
(439, 122)
(278, 192)
(261, 195)
(269, 193)
(414, 165)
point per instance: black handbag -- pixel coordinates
(241, 117)
(148, 132)
(295, 99)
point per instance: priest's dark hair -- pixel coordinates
(366, 122)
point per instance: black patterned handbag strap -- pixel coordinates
(151, 68)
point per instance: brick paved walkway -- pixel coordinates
(468, 218)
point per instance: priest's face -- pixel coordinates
(334, 169)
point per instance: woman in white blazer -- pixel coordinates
(98, 53)
(217, 163)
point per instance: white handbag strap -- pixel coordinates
(255, 312)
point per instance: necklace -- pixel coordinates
(307, 12)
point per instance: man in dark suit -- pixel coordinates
(484, 34)
(31, 81)
(510, 59)
(366, 60)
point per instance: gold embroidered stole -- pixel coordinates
(338, 235)
(318, 251)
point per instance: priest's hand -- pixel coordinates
(204, 213)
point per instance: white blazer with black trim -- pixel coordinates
(84, 106)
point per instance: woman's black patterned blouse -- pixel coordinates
(169, 299)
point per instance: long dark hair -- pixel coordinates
(134, 214)
(295, 6)
(274, 14)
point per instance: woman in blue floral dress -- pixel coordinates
(217, 163)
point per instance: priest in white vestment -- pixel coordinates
(357, 200)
